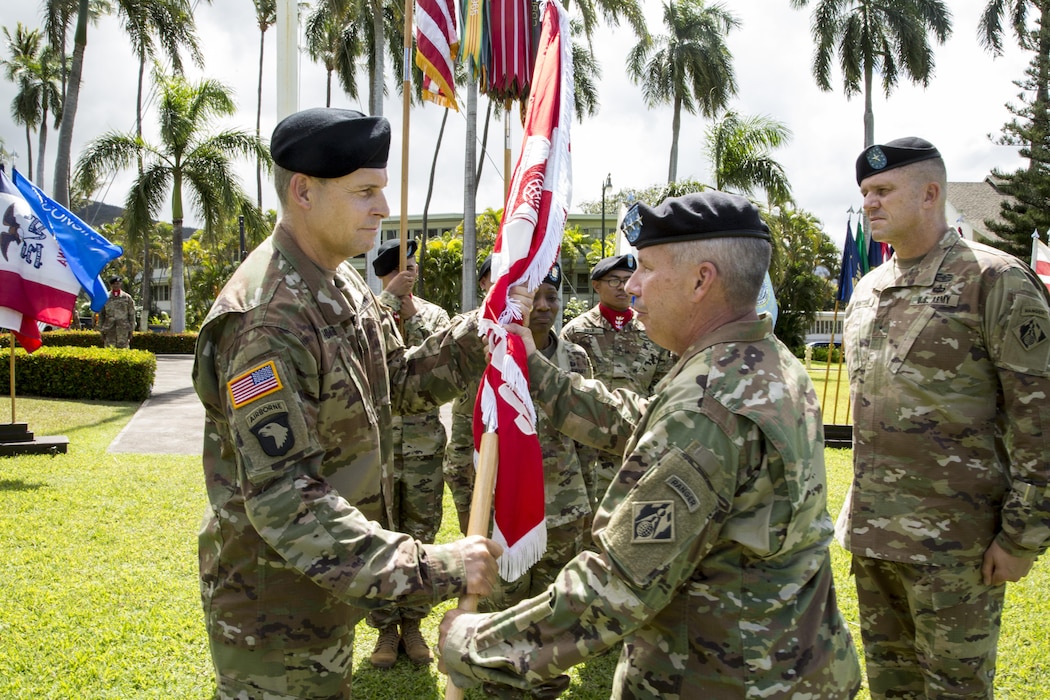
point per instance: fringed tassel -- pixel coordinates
(516, 560)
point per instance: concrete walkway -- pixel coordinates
(171, 420)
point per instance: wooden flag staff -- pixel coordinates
(480, 516)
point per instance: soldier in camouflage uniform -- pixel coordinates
(621, 353)
(712, 562)
(459, 453)
(947, 346)
(116, 321)
(299, 370)
(419, 448)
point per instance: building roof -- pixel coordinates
(970, 204)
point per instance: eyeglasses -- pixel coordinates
(616, 282)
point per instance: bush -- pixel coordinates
(156, 343)
(81, 373)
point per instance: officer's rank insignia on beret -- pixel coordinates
(1031, 333)
(269, 425)
(254, 384)
(876, 158)
(653, 522)
(632, 224)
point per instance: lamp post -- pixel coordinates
(607, 185)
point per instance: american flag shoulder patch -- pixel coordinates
(254, 384)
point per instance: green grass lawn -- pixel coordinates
(98, 578)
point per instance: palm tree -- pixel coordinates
(265, 17)
(889, 37)
(186, 156)
(690, 67)
(336, 40)
(34, 66)
(739, 146)
(69, 107)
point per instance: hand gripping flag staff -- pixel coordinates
(526, 248)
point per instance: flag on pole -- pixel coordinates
(474, 45)
(510, 49)
(85, 251)
(1041, 259)
(36, 283)
(437, 41)
(850, 266)
(526, 248)
(862, 249)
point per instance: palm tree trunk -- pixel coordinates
(29, 148)
(484, 140)
(676, 125)
(869, 113)
(375, 98)
(40, 149)
(469, 292)
(69, 108)
(144, 235)
(426, 203)
(258, 117)
(178, 283)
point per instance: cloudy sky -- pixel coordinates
(772, 52)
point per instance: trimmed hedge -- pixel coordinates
(81, 373)
(157, 343)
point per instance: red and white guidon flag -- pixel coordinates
(1041, 261)
(437, 41)
(526, 248)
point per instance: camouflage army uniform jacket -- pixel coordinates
(565, 492)
(713, 561)
(420, 435)
(948, 363)
(118, 314)
(624, 359)
(298, 372)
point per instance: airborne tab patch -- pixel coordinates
(254, 384)
(653, 522)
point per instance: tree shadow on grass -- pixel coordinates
(19, 485)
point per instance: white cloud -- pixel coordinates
(772, 51)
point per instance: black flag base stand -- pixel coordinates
(16, 439)
(838, 436)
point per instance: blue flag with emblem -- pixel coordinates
(850, 266)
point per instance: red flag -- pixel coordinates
(36, 282)
(437, 41)
(1041, 261)
(526, 248)
(510, 47)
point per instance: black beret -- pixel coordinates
(486, 266)
(387, 258)
(327, 142)
(616, 262)
(691, 217)
(553, 277)
(880, 158)
(115, 280)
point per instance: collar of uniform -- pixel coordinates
(735, 332)
(331, 302)
(924, 272)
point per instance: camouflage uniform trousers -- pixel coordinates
(928, 631)
(459, 456)
(116, 336)
(313, 673)
(418, 490)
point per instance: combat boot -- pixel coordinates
(385, 653)
(415, 646)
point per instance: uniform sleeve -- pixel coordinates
(583, 408)
(269, 394)
(1017, 324)
(651, 546)
(430, 374)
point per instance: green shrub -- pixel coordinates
(81, 373)
(156, 343)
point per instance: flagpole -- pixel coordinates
(11, 362)
(406, 93)
(831, 344)
(480, 516)
(507, 175)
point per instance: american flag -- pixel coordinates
(1041, 260)
(254, 384)
(436, 44)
